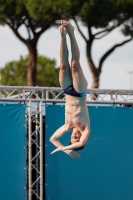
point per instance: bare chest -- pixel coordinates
(79, 121)
(76, 114)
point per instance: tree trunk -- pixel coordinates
(31, 65)
(95, 83)
(97, 71)
(94, 70)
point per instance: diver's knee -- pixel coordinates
(75, 65)
(63, 65)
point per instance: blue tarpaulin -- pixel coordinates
(12, 152)
(105, 169)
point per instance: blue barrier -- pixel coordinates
(105, 169)
(12, 152)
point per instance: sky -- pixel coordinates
(115, 68)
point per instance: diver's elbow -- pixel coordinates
(82, 144)
(51, 139)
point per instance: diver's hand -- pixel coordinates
(57, 149)
(71, 153)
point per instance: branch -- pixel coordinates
(28, 31)
(27, 27)
(18, 25)
(20, 22)
(31, 26)
(110, 51)
(108, 30)
(44, 28)
(79, 29)
(15, 30)
(17, 34)
(97, 38)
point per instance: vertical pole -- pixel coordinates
(130, 74)
(30, 154)
(41, 152)
(42, 94)
(131, 80)
(37, 142)
(47, 94)
(111, 96)
(116, 96)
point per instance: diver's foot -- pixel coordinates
(63, 31)
(67, 25)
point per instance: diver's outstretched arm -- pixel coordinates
(54, 139)
(75, 145)
(58, 133)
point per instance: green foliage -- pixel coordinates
(127, 10)
(15, 73)
(47, 11)
(36, 16)
(99, 14)
(14, 12)
(11, 11)
(47, 72)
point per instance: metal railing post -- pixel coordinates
(37, 141)
(41, 152)
(30, 154)
(47, 94)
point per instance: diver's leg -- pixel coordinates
(79, 80)
(65, 77)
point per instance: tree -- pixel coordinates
(127, 28)
(103, 14)
(18, 13)
(14, 73)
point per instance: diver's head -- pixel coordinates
(75, 137)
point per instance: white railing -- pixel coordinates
(56, 95)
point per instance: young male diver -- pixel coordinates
(74, 84)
